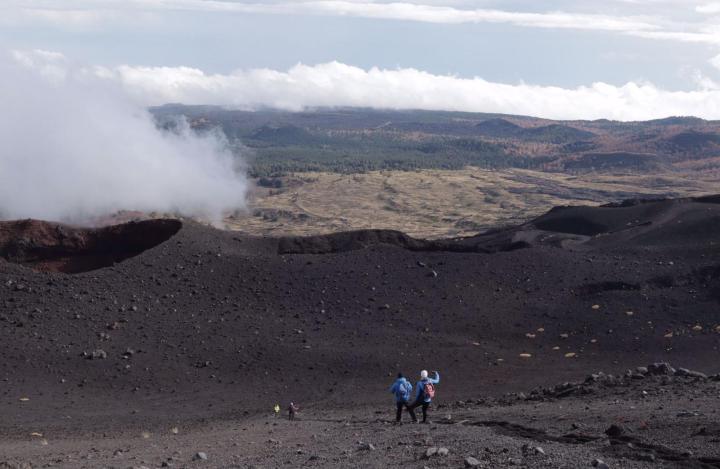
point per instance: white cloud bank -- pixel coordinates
(76, 147)
(679, 21)
(408, 11)
(337, 84)
(87, 13)
(709, 8)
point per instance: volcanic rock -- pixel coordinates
(690, 373)
(98, 354)
(661, 368)
(430, 452)
(615, 431)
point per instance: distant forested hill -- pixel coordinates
(359, 140)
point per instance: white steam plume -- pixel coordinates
(76, 147)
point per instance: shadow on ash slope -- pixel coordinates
(52, 247)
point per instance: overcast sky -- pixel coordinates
(622, 59)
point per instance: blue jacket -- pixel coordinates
(421, 387)
(402, 390)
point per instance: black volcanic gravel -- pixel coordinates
(215, 324)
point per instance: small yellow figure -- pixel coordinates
(277, 409)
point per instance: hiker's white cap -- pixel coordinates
(423, 374)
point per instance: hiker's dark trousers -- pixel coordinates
(400, 405)
(411, 408)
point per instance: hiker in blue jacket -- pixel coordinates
(424, 395)
(402, 389)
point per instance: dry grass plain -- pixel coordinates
(437, 203)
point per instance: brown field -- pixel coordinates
(437, 203)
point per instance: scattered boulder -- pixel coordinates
(615, 431)
(528, 450)
(97, 354)
(600, 464)
(471, 462)
(661, 369)
(430, 452)
(443, 451)
(14, 465)
(690, 373)
(200, 456)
